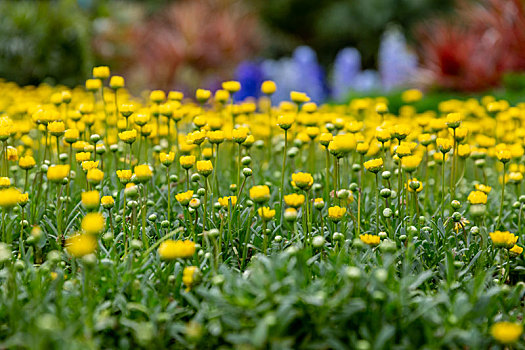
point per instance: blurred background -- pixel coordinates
(330, 49)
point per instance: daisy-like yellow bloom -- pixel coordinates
(515, 177)
(82, 156)
(190, 276)
(266, 213)
(101, 72)
(95, 175)
(464, 151)
(325, 138)
(221, 96)
(299, 97)
(187, 161)
(56, 128)
(294, 200)
(374, 165)
(231, 86)
(90, 199)
(444, 145)
(342, 144)
(477, 197)
(89, 164)
(26, 162)
(410, 163)
(171, 249)
(411, 96)
(453, 120)
(303, 180)
(5, 182)
(184, 197)
(167, 158)
(157, 96)
(403, 150)
(268, 87)
(260, 194)
(202, 95)
(93, 85)
(336, 213)
(504, 155)
(285, 121)
(503, 239)
(12, 154)
(239, 135)
(93, 223)
(23, 198)
(483, 188)
(116, 82)
(124, 175)
(71, 135)
(204, 167)
(196, 138)
(400, 131)
(516, 250)
(81, 245)
(107, 202)
(225, 201)
(9, 197)
(506, 332)
(128, 136)
(362, 147)
(216, 136)
(143, 172)
(6, 128)
(56, 173)
(371, 240)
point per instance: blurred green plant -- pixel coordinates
(329, 25)
(44, 41)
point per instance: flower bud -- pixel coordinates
(165, 224)
(455, 204)
(387, 212)
(247, 172)
(318, 241)
(385, 192)
(195, 178)
(353, 187)
(246, 160)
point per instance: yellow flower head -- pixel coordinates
(82, 156)
(124, 176)
(23, 198)
(225, 201)
(128, 136)
(204, 167)
(464, 151)
(81, 245)
(503, 239)
(303, 180)
(268, 87)
(325, 138)
(202, 95)
(90, 200)
(93, 223)
(197, 137)
(336, 213)
(483, 188)
(285, 121)
(95, 175)
(56, 173)
(93, 85)
(171, 249)
(12, 154)
(400, 131)
(167, 158)
(101, 72)
(477, 197)
(107, 202)
(190, 276)
(216, 136)
(5, 182)
(56, 128)
(414, 185)
(444, 145)
(266, 213)
(26, 162)
(383, 135)
(157, 96)
(299, 97)
(143, 173)
(411, 96)
(71, 135)
(342, 144)
(9, 197)
(403, 150)
(374, 165)
(516, 250)
(294, 200)
(260, 194)
(504, 155)
(506, 332)
(371, 240)
(231, 86)
(239, 135)
(184, 197)
(187, 161)
(116, 82)
(453, 120)
(410, 163)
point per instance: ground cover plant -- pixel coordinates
(164, 221)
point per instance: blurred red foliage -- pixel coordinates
(472, 51)
(187, 44)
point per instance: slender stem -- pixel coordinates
(377, 202)
(283, 169)
(443, 189)
(502, 195)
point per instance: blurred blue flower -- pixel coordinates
(397, 64)
(251, 76)
(347, 66)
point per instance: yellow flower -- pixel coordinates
(325, 138)
(184, 197)
(202, 95)
(383, 135)
(515, 177)
(107, 202)
(414, 185)
(197, 137)
(82, 156)
(411, 96)
(128, 136)
(56, 173)
(6, 128)
(157, 96)
(9, 197)
(239, 135)
(81, 245)
(187, 161)
(89, 164)
(143, 173)
(26, 162)
(425, 139)
(410, 163)
(260, 194)
(303, 180)
(294, 200)
(483, 188)
(371, 240)
(90, 199)
(116, 82)
(231, 86)
(93, 85)
(56, 128)
(101, 72)
(95, 175)
(477, 197)
(403, 150)
(93, 223)
(171, 249)
(268, 87)
(204, 167)
(23, 198)
(167, 158)
(336, 213)
(516, 250)
(374, 165)
(400, 131)
(5, 182)
(222, 96)
(285, 121)
(225, 201)
(444, 145)
(504, 155)
(12, 154)
(190, 276)
(299, 97)
(506, 332)
(342, 144)
(216, 136)
(266, 213)
(463, 151)
(503, 239)
(124, 176)
(453, 120)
